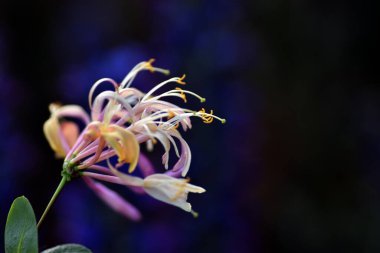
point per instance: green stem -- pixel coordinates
(55, 195)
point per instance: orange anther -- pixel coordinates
(180, 81)
(206, 117)
(183, 96)
(171, 114)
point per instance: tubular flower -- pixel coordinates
(121, 119)
(170, 190)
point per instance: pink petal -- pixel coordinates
(145, 165)
(183, 164)
(70, 131)
(112, 179)
(73, 111)
(113, 200)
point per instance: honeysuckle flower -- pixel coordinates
(170, 190)
(61, 136)
(121, 119)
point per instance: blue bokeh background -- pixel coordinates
(296, 167)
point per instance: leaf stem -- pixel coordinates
(53, 198)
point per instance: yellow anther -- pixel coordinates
(183, 96)
(180, 81)
(208, 120)
(206, 117)
(149, 65)
(171, 114)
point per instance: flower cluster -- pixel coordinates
(121, 119)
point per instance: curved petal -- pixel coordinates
(124, 143)
(145, 165)
(74, 111)
(131, 92)
(62, 136)
(96, 85)
(165, 139)
(98, 106)
(113, 200)
(183, 164)
(52, 134)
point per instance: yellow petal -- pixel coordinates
(124, 143)
(51, 131)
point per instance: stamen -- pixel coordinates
(180, 80)
(171, 114)
(147, 95)
(152, 69)
(206, 117)
(183, 96)
(139, 67)
(149, 66)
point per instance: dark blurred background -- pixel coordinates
(296, 167)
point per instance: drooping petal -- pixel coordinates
(170, 190)
(145, 165)
(73, 111)
(154, 133)
(166, 144)
(183, 164)
(113, 200)
(124, 143)
(62, 135)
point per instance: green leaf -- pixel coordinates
(21, 230)
(68, 248)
